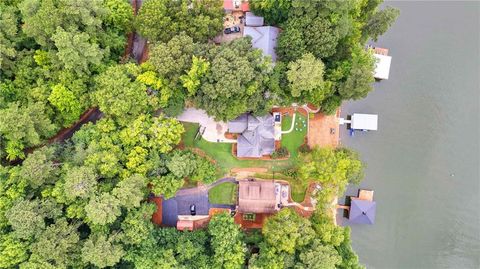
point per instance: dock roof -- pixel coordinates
(362, 211)
(364, 122)
(382, 66)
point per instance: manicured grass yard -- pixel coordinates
(293, 140)
(224, 193)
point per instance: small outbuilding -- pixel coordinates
(252, 20)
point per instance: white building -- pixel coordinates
(382, 68)
(368, 122)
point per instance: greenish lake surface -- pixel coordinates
(423, 162)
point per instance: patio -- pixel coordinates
(229, 20)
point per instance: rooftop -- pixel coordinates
(362, 211)
(264, 38)
(257, 135)
(382, 66)
(256, 196)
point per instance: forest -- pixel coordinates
(83, 202)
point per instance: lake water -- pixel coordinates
(423, 162)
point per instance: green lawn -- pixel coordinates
(224, 193)
(293, 140)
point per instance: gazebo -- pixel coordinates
(362, 211)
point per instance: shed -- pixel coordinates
(362, 211)
(252, 20)
(382, 66)
(256, 196)
(364, 122)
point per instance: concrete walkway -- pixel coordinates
(293, 124)
(214, 131)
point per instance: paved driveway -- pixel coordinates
(180, 204)
(214, 131)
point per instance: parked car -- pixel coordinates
(231, 30)
(193, 210)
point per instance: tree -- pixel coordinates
(153, 21)
(359, 81)
(349, 258)
(287, 231)
(80, 182)
(166, 185)
(274, 11)
(206, 20)
(228, 248)
(192, 80)
(225, 94)
(119, 14)
(321, 37)
(137, 225)
(57, 245)
(318, 256)
(103, 209)
(42, 18)
(12, 250)
(75, 50)
(291, 42)
(102, 251)
(333, 169)
(27, 217)
(305, 77)
(65, 101)
(118, 96)
(380, 21)
(37, 169)
(160, 20)
(22, 127)
(182, 164)
(172, 58)
(130, 191)
(205, 172)
(8, 36)
(164, 133)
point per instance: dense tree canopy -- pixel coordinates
(335, 32)
(291, 241)
(160, 20)
(235, 83)
(84, 202)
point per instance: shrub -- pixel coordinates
(304, 148)
(206, 171)
(291, 172)
(280, 153)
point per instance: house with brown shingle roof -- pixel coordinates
(257, 196)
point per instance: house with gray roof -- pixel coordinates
(264, 38)
(256, 135)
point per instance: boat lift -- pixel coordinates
(361, 122)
